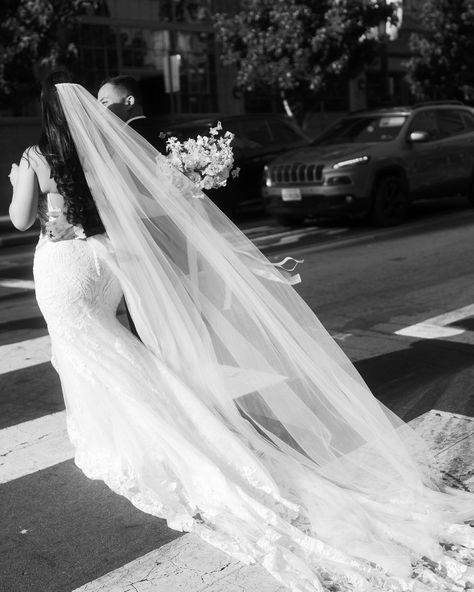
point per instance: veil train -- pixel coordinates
(296, 465)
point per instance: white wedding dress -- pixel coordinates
(238, 418)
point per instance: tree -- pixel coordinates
(300, 48)
(442, 66)
(35, 35)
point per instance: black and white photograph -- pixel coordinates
(236, 295)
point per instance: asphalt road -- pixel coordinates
(398, 301)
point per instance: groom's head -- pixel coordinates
(122, 95)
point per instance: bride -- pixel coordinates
(236, 416)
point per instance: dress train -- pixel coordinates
(141, 429)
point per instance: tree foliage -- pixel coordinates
(442, 66)
(300, 46)
(36, 35)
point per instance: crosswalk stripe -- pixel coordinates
(188, 564)
(33, 445)
(436, 327)
(13, 283)
(23, 354)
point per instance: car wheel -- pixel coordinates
(390, 202)
(292, 220)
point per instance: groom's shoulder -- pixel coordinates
(151, 131)
(144, 124)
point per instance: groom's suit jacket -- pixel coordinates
(151, 132)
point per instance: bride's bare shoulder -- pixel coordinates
(35, 158)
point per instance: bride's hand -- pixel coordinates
(13, 175)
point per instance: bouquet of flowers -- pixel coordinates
(207, 160)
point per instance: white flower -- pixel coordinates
(206, 161)
(194, 176)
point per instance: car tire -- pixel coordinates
(291, 220)
(390, 201)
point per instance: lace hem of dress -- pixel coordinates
(294, 558)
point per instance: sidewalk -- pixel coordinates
(11, 237)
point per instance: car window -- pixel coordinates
(256, 133)
(239, 142)
(426, 121)
(378, 128)
(450, 122)
(283, 133)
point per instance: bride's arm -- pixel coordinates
(24, 206)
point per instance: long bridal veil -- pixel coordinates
(309, 474)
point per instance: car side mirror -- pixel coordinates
(416, 137)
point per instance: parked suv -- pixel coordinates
(258, 139)
(374, 163)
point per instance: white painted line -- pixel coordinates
(435, 328)
(190, 565)
(23, 354)
(293, 238)
(334, 231)
(186, 564)
(341, 336)
(22, 284)
(33, 445)
(254, 229)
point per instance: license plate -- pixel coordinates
(291, 195)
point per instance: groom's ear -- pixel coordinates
(130, 101)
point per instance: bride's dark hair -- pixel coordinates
(57, 146)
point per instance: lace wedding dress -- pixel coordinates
(237, 418)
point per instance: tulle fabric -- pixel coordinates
(240, 418)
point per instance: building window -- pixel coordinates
(143, 53)
(197, 76)
(97, 54)
(180, 11)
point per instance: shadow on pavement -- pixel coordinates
(429, 374)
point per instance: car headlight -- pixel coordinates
(351, 162)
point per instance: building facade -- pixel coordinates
(168, 45)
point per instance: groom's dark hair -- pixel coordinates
(128, 84)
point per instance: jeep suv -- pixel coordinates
(374, 163)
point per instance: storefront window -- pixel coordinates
(138, 9)
(98, 54)
(197, 72)
(191, 11)
(111, 45)
(182, 11)
(144, 48)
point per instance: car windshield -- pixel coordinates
(373, 128)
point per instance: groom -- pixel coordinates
(122, 95)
